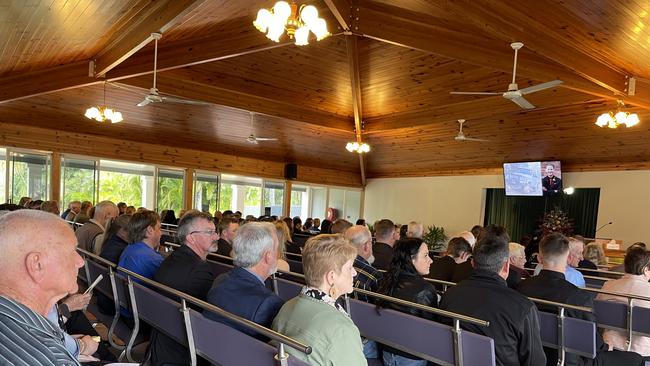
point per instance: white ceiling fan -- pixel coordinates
(461, 136)
(514, 93)
(252, 139)
(154, 96)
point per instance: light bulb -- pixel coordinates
(349, 147)
(302, 36)
(620, 117)
(263, 20)
(364, 148)
(282, 10)
(632, 120)
(309, 14)
(276, 28)
(603, 120)
(92, 113)
(108, 113)
(117, 117)
(569, 190)
(319, 27)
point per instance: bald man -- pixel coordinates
(39, 267)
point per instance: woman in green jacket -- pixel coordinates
(314, 317)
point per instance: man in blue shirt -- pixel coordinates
(140, 255)
(571, 274)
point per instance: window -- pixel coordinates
(273, 198)
(3, 175)
(308, 201)
(29, 176)
(352, 205)
(79, 180)
(126, 182)
(242, 194)
(206, 192)
(318, 201)
(170, 190)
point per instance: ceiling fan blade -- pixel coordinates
(265, 139)
(475, 139)
(474, 93)
(144, 102)
(538, 87)
(523, 103)
(183, 101)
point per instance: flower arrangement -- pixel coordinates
(557, 221)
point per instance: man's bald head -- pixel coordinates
(39, 259)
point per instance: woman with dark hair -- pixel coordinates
(404, 280)
(635, 282)
(308, 224)
(297, 225)
(325, 226)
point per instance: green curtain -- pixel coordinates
(521, 215)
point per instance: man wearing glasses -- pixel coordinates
(185, 270)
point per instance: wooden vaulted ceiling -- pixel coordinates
(389, 67)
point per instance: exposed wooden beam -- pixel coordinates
(436, 37)
(158, 17)
(188, 84)
(357, 106)
(341, 11)
(239, 39)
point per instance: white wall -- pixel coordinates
(457, 203)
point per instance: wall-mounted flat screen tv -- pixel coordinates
(535, 178)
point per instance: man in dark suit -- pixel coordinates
(458, 251)
(551, 184)
(227, 229)
(383, 247)
(551, 285)
(514, 321)
(185, 270)
(241, 291)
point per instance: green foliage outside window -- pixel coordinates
(79, 185)
(225, 199)
(120, 187)
(20, 181)
(170, 194)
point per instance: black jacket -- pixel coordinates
(414, 288)
(551, 286)
(514, 321)
(442, 269)
(383, 255)
(463, 271)
(224, 247)
(184, 271)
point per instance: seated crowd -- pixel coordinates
(40, 306)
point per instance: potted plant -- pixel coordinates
(435, 238)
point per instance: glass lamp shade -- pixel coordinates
(92, 113)
(632, 120)
(309, 14)
(621, 118)
(117, 117)
(276, 28)
(282, 10)
(263, 19)
(319, 27)
(302, 36)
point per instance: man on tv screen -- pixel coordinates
(551, 184)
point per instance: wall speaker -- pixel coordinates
(290, 171)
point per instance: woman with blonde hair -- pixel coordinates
(282, 230)
(314, 316)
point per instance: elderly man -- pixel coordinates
(367, 275)
(415, 230)
(39, 263)
(571, 274)
(551, 285)
(383, 248)
(185, 270)
(517, 263)
(227, 229)
(514, 321)
(74, 207)
(241, 291)
(88, 234)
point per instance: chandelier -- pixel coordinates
(615, 119)
(297, 23)
(357, 147)
(103, 113)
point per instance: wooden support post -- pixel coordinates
(286, 200)
(188, 189)
(55, 179)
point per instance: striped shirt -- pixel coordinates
(27, 338)
(367, 277)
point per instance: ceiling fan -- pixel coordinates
(252, 139)
(514, 93)
(154, 96)
(461, 136)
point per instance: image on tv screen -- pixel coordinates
(533, 178)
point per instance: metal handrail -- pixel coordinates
(207, 306)
(620, 294)
(409, 303)
(209, 254)
(590, 270)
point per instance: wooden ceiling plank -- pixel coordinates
(355, 81)
(436, 39)
(158, 17)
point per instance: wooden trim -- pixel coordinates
(110, 148)
(55, 179)
(357, 105)
(188, 189)
(286, 200)
(341, 11)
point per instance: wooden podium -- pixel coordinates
(613, 250)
